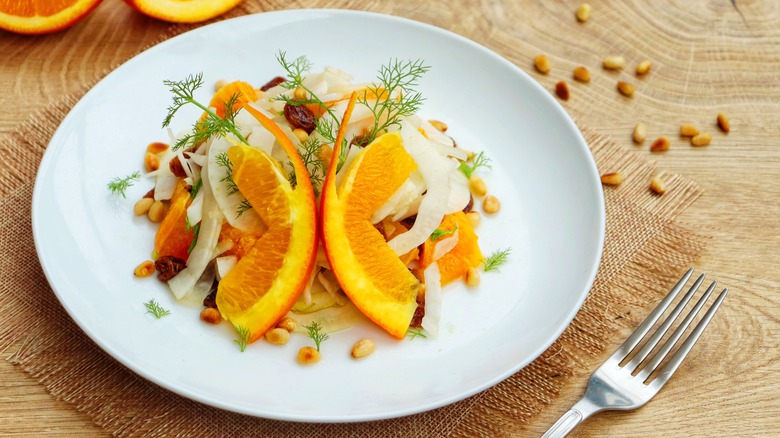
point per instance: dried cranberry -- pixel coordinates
(272, 83)
(300, 117)
(168, 267)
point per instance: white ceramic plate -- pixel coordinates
(552, 217)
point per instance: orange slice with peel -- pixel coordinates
(466, 253)
(173, 237)
(369, 272)
(183, 11)
(244, 93)
(43, 16)
(263, 286)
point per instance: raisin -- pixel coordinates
(168, 267)
(177, 168)
(361, 140)
(470, 205)
(149, 194)
(272, 83)
(419, 312)
(211, 299)
(300, 117)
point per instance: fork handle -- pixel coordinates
(571, 419)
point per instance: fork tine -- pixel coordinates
(661, 331)
(650, 366)
(648, 323)
(669, 369)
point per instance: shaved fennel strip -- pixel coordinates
(431, 320)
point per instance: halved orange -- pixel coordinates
(466, 253)
(368, 270)
(173, 237)
(43, 16)
(263, 286)
(183, 11)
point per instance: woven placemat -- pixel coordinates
(645, 249)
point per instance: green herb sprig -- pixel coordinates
(494, 261)
(415, 333)
(243, 337)
(119, 186)
(439, 233)
(315, 332)
(479, 160)
(154, 308)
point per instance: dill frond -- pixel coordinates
(496, 259)
(315, 332)
(120, 185)
(479, 160)
(154, 308)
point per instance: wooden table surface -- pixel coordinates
(708, 57)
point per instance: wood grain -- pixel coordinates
(707, 56)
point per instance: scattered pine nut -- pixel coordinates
(625, 88)
(474, 218)
(660, 144)
(441, 126)
(157, 147)
(612, 179)
(616, 62)
(702, 139)
(287, 323)
(491, 204)
(300, 94)
(542, 64)
(151, 162)
(643, 67)
(145, 269)
(219, 84)
(362, 348)
(277, 336)
(477, 186)
(723, 123)
(301, 134)
(142, 206)
(581, 74)
(640, 133)
(562, 90)
(156, 212)
(472, 277)
(688, 130)
(308, 355)
(583, 12)
(210, 315)
(657, 185)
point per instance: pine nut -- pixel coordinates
(583, 12)
(210, 315)
(723, 123)
(145, 269)
(491, 204)
(308, 355)
(688, 130)
(477, 186)
(612, 179)
(142, 206)
(472, 277)
(581, 74)
(542, 64)
(643, 67)
(625, 88)
(702, 139)
(277, 336)
(657, 185)
(640, 133)
(441, 126)
(300, 94)
(324, 153)
(614, 62)
(220, 84)
(362, 348)
(156, 211)
(474, 218)
(562, 90)
(301, 134)
(157, 147)
(287, 323)
(151, 162)
(660, 144)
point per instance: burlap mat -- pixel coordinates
(645, 250)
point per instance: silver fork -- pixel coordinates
(626, 387)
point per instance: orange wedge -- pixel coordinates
(245, 93)
(466, 253)
(266, 282)
(183, 11)
(42, 16)
(173, 238)
(370, 273)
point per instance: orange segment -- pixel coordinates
(183, 11)
(369, 272)
(173, 238)
(464, 255)
(245, 92)
(267, 281)
(42, 16)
